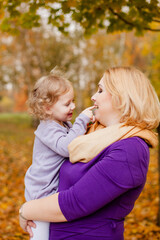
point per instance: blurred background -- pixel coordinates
(34, 53)
(29, 50)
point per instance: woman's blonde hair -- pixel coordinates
(134, 96)
(46, 92)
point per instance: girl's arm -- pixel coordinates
(57, 138)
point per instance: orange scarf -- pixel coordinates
(86, 147)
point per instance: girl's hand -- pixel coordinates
(89, 113)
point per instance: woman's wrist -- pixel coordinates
(21, 212)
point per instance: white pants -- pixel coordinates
(41, 232)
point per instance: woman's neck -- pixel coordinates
(114, 119)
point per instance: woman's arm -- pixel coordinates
(112, 176)
(121, 168)
(44, 209)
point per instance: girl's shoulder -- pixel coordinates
(49, 127)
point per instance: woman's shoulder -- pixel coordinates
(134, 151)
(131, 145)
(128, 157)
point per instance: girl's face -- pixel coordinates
(104, 111)
(62, 110)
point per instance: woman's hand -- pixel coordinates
(27, 225)
(23, 223)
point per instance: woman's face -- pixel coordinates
(104, 111)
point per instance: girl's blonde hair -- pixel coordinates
(46, 92)
(134, 96)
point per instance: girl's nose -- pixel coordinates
(73, 106)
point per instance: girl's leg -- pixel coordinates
(41, 232)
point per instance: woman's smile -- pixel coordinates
(104, 111)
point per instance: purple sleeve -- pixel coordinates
(113, 175)
(57, 138)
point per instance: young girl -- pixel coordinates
(52, 101)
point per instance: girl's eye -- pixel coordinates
(67, 104)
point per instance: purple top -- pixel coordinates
(49, 152)
(102, 192)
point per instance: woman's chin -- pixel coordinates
(96, 117)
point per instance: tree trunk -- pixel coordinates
(158, 219)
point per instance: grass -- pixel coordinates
(20, 119)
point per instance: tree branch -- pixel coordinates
(131, 23)
(156, 20)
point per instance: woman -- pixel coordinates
(95, 197)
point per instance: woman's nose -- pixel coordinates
(93, 98)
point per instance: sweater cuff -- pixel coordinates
(84, 117)
(61, 197)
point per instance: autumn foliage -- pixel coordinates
(16, 153)
(20, 99)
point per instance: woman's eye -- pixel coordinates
(99, 90)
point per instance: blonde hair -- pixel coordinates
(46, 92)
(134, 96)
